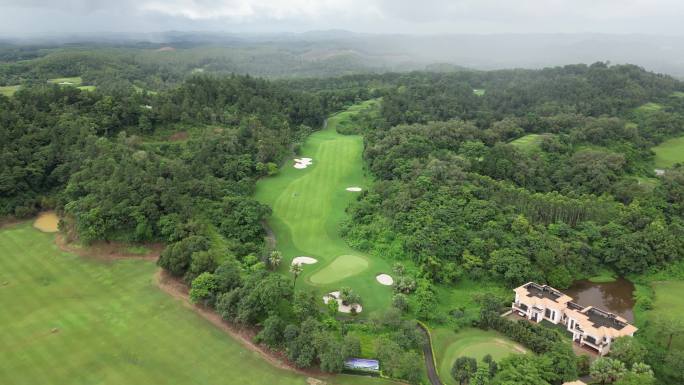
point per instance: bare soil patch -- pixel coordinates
(9, 221)
(109, 251)
(178, 136)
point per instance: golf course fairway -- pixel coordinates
(309, 204)
(72, 320)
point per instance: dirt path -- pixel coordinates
(10, 221)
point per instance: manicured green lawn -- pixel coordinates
(342, 267)
(69, 320)
(8, 90)
(474, 343)
(669, 152)
(308, 206)
(87, 88)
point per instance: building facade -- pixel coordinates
(590, 327)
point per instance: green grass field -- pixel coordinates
(9, 90)
(648, 108)
(474, 343)
(69, 320)
(309, 204)
(479, 91)
(670, 152)
(462, 296)
(603, 276)
(669, 304)
(529, 142)
(71, 81)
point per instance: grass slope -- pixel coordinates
(669, 304)
(68, 320)
(474, 343)
(649, 108)
(669, 152)
(71, 81)
(528, 142)
(8, 90)
(309, 204)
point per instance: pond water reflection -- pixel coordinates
(615, 297)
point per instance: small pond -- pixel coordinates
(615, 297)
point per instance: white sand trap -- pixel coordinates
(354, 189)
(341, 308)
(385, 279)
(301, 163)
(47, 222)
(304, 261)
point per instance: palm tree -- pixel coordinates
(295, 269)
(275, 258)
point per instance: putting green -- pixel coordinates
(71, 320)
(308, 206)
(469, 342)
(342, 267)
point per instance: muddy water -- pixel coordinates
(615, 297)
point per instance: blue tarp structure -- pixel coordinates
(362, 365)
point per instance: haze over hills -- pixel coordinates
(400, 52)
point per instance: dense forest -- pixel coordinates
(460, 199)
(455, 197)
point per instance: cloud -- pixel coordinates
(424, 16)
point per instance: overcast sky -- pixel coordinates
(36, 17)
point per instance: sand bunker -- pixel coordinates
(384, 279)
(47, 222)
(341, 307)
(301, 163)
(354, 189)
(304, 261)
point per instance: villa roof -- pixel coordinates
(546, 296)
(600, 323)
(596, 322)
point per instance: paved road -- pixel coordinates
(429, 360)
